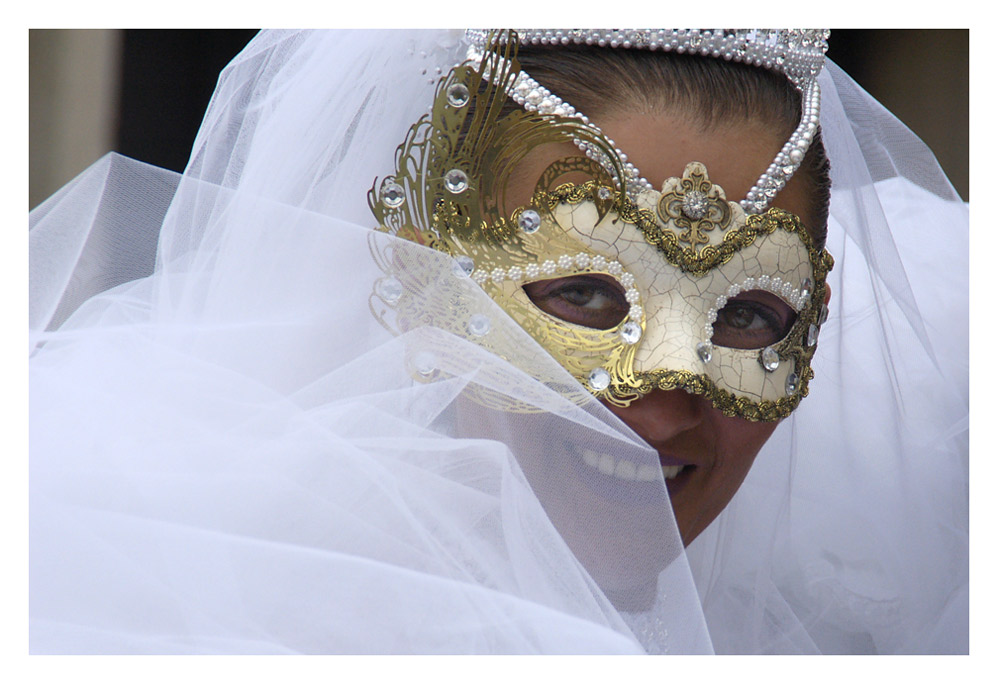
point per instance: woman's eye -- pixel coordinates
(587, 300)
(753, 319)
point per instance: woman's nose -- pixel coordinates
(662, 414)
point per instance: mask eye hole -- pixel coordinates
(753, 320)
(591, 300)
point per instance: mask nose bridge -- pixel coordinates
(674, 326)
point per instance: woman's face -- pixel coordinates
(705, 455)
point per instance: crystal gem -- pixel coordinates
(769, 358)
(813, 334)
(604, 193)
(695, 205)
(456, 181)
(457, 95)
(599, 379)
(393, 195)
(823, 314)
(425, 363)
(704, 351)
(389, 289)
(478, 325)
(791, 384)
(630, 333)
(806, 288)
(529, 221)
(463, 266)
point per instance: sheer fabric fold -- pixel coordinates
(237, 447)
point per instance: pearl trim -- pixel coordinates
(578, 263)
(797, 53)
(798, 298)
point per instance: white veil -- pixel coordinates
(231, 453)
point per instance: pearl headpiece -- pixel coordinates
(797, 53)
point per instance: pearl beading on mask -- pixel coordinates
(797, 297)
(578, 263)
(797, 53)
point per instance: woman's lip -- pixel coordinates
(670, 460)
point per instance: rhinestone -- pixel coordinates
(704, 351)
(823, 314)
(456, 181)
(478, 325)
(630, 333)
(791, 384)
(457, 95)
(529, 221)
(389, 289)
(599, 379)
(695, 204)
(769, 358)
(806, 288)
(393, 195)
(813, 334)
(604, 193)
(463, 266)
(425, 363)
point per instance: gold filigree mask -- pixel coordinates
(669, 289)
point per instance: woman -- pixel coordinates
(252, 458)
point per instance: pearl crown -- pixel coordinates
(797, 53)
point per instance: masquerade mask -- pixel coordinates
(632, 288)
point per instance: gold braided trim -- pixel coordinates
(699, 384)
(694, 261)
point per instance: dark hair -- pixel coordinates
(711, 91)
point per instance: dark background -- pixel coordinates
(921, 75)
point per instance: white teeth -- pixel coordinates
(671, 471)
(606, 465)
(648, 473)
(626, 470)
